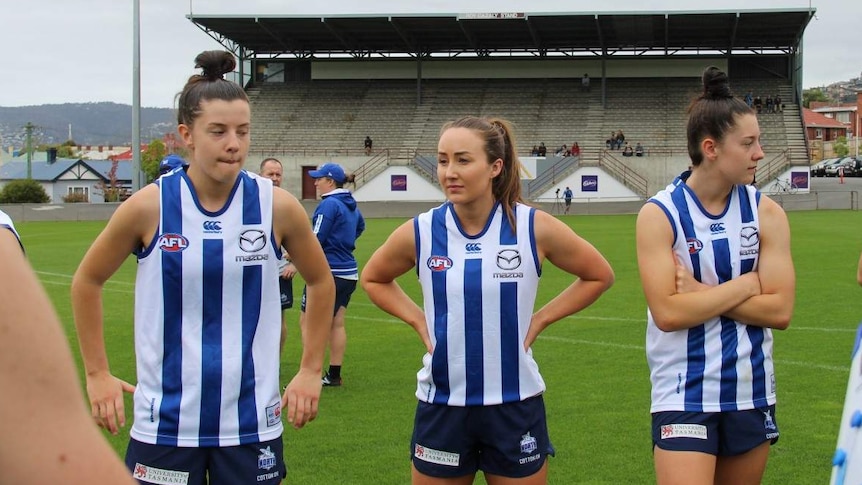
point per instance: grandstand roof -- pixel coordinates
(667, 33)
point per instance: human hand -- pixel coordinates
(106, 400)
(289, 271)
(301, 397)
(685, 281)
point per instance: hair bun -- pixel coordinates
(715, 84)
(215, 64)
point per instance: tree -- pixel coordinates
(813, 94)
(151, 157)
(24, 191)
(840, 147)
(111, 189)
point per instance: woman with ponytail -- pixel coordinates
(207, 238)
(715, 266)
(479, 258)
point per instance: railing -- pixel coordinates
(623, 173)
(371, 168)
(767, 171)
(327, 153)
(560, 170)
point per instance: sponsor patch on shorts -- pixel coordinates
(273, 414)
(436, 456)
(697, 431)
(150, 474)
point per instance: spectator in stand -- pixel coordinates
(576, 150)
(628, 151)
(758, 104)
(639, 150)
(585, 82)
(779, 108)
(542, 150)
(609, 143)
(621, 138)
(561, 152)
(769, 105)
(749, 100)
(369, 143)
(535, 151)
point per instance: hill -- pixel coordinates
(92, 123)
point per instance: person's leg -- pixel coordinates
(337, 339)
(417, 478)
(744, 469)
(538, 478)
(683, 467)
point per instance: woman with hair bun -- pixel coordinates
(207, 239)
(479, 258)
(716, 270)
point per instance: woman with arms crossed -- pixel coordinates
(207, 325)
(479, 258)
(714, 260)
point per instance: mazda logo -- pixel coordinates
(748, 237)
(252, 240)
(508, 259)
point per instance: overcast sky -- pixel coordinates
(61, 51)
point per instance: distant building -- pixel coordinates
(820, 127)
(64, 176)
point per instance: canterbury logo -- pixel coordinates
(212, 226)
(473, 247)
(252, 240)
(508, 259)
(716, 228)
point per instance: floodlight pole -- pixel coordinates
(136, 97)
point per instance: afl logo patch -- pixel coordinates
(172, 243)
(694, 245)
(252, 240)
(439, 263)
(508, 259)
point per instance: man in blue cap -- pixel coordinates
(171, 162)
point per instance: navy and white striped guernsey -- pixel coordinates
(720, 365)
(479, 293)
(208, 320)
(6, 221)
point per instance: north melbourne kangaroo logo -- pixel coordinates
(252, 240)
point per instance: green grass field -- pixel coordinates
(593, 363)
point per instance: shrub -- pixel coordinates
(26, 191)
(76, 197)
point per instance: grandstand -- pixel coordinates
(319, 85)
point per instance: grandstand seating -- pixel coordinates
(338, 114)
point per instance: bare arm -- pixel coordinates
(37, 373)
(394, 258)
(672, 309)
(293, 232)
(557, 243)
(773, 307)
(859, 271)
(134, 221)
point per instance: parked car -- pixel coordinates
(847, 163)
(819, 169)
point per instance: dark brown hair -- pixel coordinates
(499, 143)
(209, 84)
(712, 113)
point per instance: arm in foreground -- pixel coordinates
(293, 232)
(37, 374)
(124, 232)
(394, 258)
(557, 243)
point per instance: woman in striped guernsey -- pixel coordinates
(714, 260)
(208, 237)
(479, 258)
